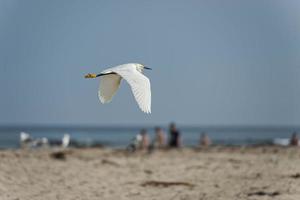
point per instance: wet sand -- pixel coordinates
(89, 174)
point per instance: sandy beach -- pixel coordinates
(213, 173)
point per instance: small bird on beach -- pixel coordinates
(65, 142)
(133, 74)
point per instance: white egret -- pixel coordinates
(133, 74)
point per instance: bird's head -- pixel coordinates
(141, 67)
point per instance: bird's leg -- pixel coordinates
(90, 76)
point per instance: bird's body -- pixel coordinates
(110, 80)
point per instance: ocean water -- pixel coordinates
(119, 137)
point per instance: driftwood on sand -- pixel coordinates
(263, 193)
(166, 184)
(297, 175)
(60, 155)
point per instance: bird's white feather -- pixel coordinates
(109, 85)
(140, 84)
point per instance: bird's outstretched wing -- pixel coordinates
(109, 85)
(140, 86)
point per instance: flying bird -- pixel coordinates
(110, 80)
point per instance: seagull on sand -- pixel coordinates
(133, 73)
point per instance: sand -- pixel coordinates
(213, 173)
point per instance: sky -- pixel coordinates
(214, 62)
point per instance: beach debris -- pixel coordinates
(263, 193)
(59, 155)
(297, 175)
(109, 162)
(258, 175)
(166, 184)
(232, 160)
(195, 167)
(148, 171)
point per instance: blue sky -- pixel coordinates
(214, 62)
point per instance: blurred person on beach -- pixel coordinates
(294, 141)
(145, 140)
(160, 138)
(174, 141)
(205, 141)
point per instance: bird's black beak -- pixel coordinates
(147, 68)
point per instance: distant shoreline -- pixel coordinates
(121, 136)
(135, 127)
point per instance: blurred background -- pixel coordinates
(228, 68)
